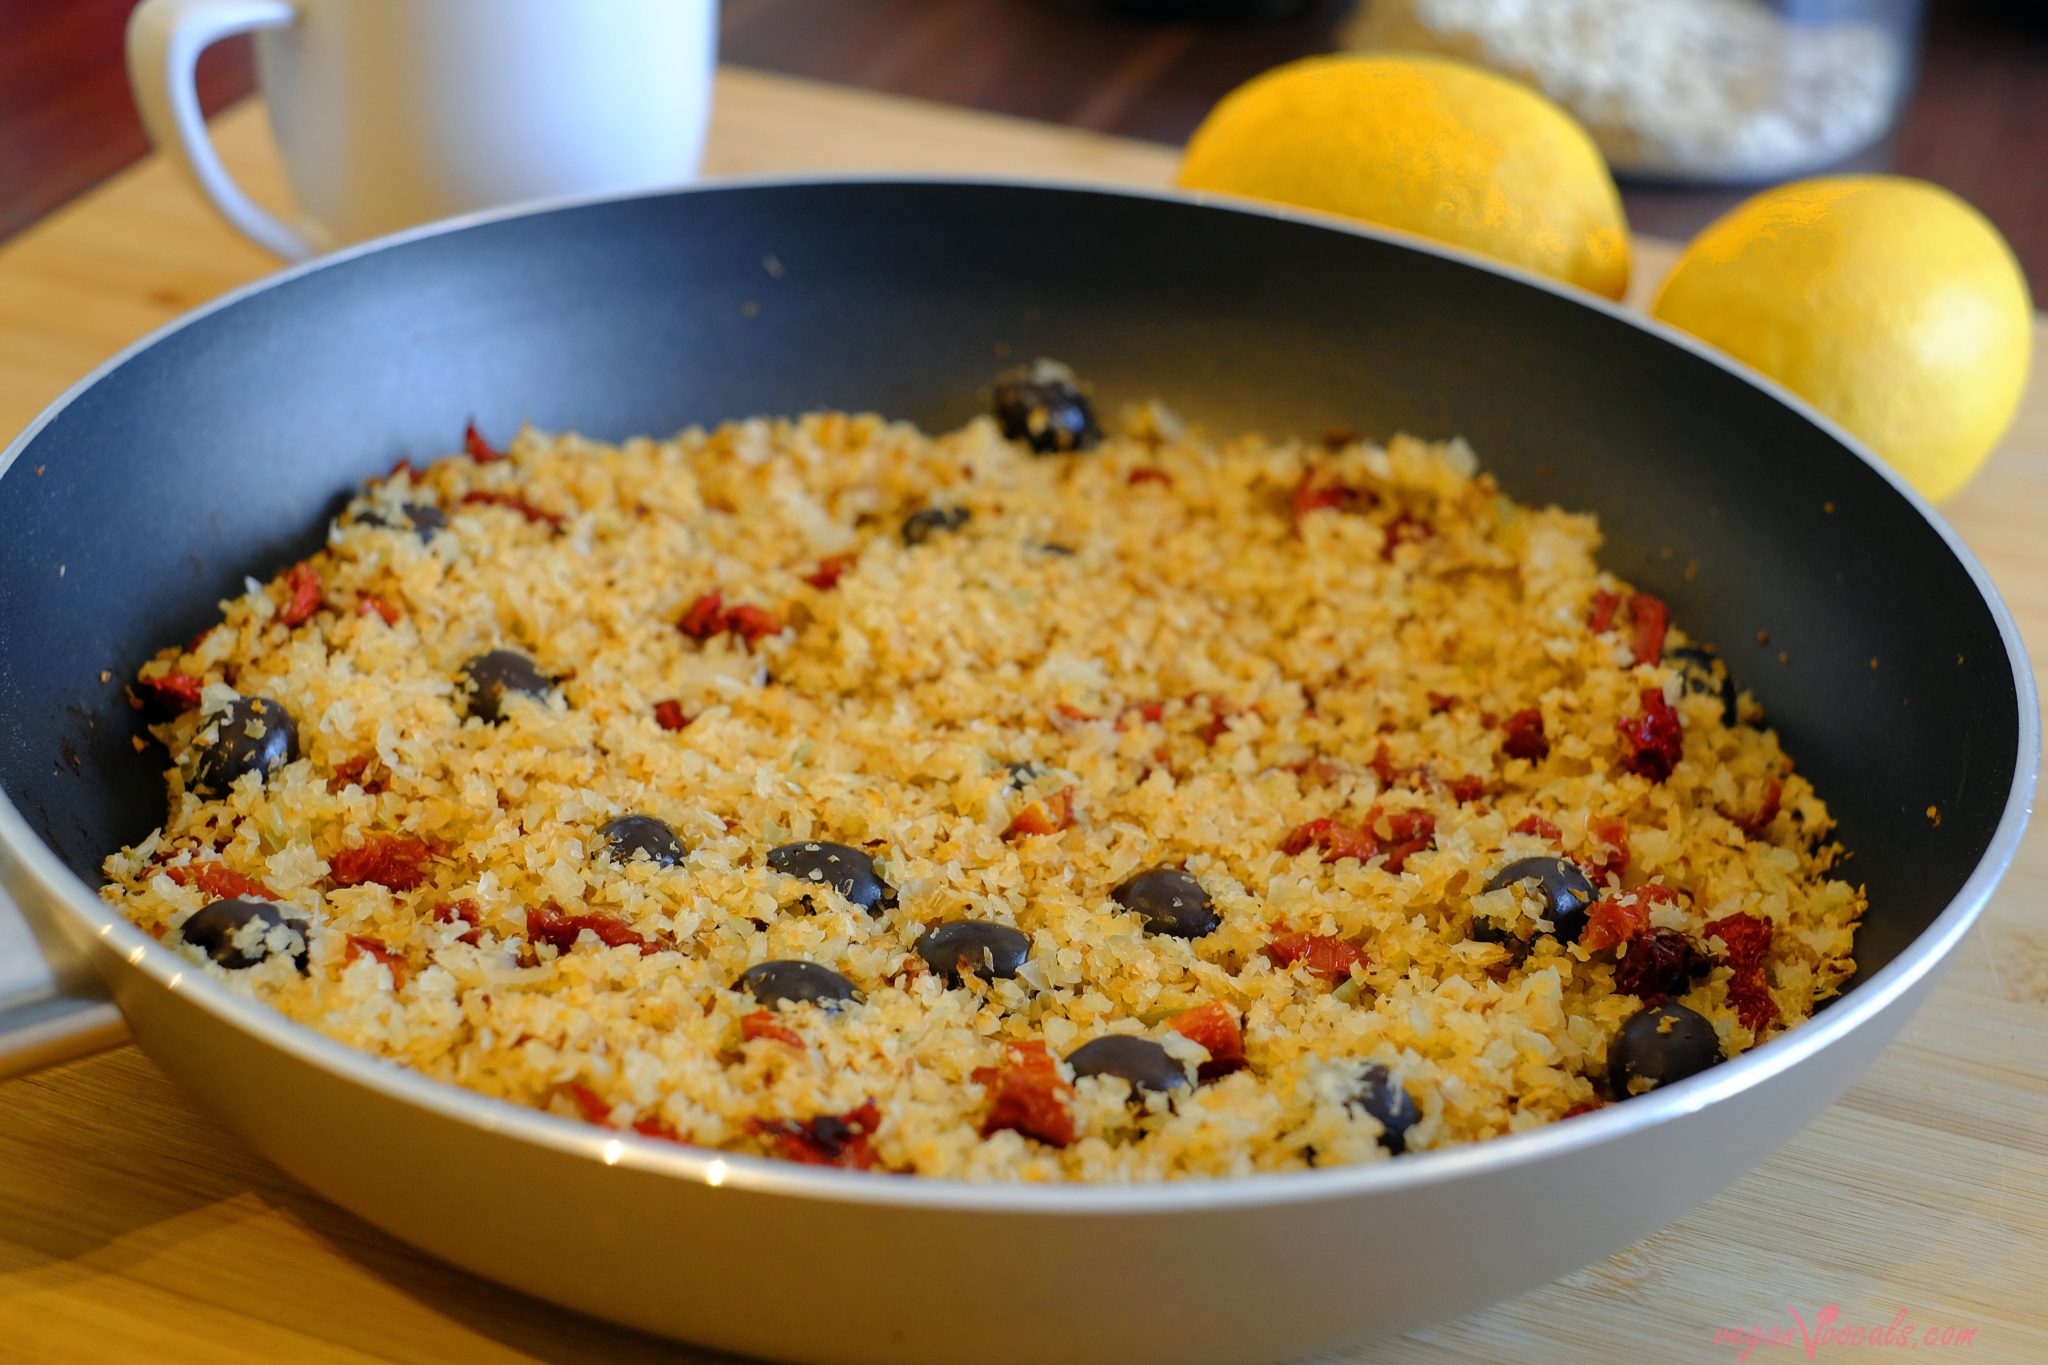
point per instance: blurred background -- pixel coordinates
(1690, 99)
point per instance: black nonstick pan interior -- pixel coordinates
(220, 450)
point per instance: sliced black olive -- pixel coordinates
(222, 931)
(927, 522)
(1171, 901)
(489, 680)
(788, 979)
(1660, 1045)
(642, 836)
(254, 735)
(1696, 669)
(1379, 1095)
(1140, 1061)
(1022, 772)
(987, 950)
(1042, 405)
(419, 517)
(1566, 892)
(847, 870)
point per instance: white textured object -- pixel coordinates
(1712, 88)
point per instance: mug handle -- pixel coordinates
(165, 38)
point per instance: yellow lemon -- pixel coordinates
(1889, 304)
(1428, 146)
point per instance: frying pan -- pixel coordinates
(219, 447)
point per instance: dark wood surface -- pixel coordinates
(1978, 121)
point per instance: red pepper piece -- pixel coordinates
(1523, 737)
(1215, 1027)
(464, 912)
(1538, 826)
(829, 571)
(669, 715)
(1027, 1095)
(219, 881)
(1654, 739)
(1747, 941)
(550, 924)
(704, 617)
(177, 692)
(1649, 619)
(765, 1024)
(373, 604)
(842, 1140)
(1036, 818)
(360, 945)
(516, 502)
(397, 861)
(1325, 955)
(1150, 474)
(302, 594)
(1601, 618)
(477, 448)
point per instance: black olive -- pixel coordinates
(987, 950)
(1022, 772)
(1660, 1045)
(1042, 405)
(788, 979)
(1696, 669)
(219, 930)
(254, 735)
(642, 836)
(1171, 901)
(489, 680)
(1142, 1062)
(1566, 892)
(846, 870)
(420, 517)
(927, 522)
(1379, 1095)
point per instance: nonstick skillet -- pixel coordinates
(219, 448)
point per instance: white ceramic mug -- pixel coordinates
(392, 112)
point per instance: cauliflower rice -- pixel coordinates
(1301, 671)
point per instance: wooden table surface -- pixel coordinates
(132, 1228)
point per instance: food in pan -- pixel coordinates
(1016, 803)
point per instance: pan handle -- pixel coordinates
(52, 1006)
(165, 38)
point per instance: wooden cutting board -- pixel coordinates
(132, 1228)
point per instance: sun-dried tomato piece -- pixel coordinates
(669, 715)
(1440, 702)
(1215, 1027)
(1653, 739)
(1027, 1095)
(752, 623)
(1050, 816)
(829, 571)
(767, 1024)
(219, 881)
(1325, 955)
(657, 1128)
(1465, 789)
(516, 502)
(1609, 854)
(704, 617)
(552, 925)
(1756, 822)
(1383, 766)
(1336, 841)
(1746, 941)
(1409, 832)
(1601, 618)
(1317, 490)
(1615, 919)
(588, 1102)
(360, 945)
(1316, 773)
(1586, 1108)
(1219, 718)
(1405, 529)
(477, 448)
(1073, 712)
(397, 861)
(1648, 618)
(1522, 736)
(302, 594)
(1147, 712)
(371, 604)
(175, 692)
(1150, 474)
(460, 912)
(843, 1140)
(1657, 965)
(1538, 826)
